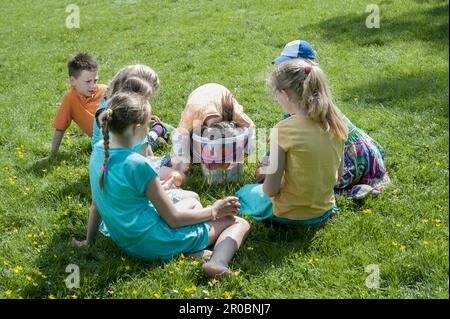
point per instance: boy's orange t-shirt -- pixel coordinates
(80, 109)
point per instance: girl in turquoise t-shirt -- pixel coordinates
(142, 80)
(141, 218)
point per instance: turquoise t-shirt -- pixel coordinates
(133, 222)
(97, 134)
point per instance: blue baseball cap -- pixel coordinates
(294, 50)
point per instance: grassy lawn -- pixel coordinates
(392, 82)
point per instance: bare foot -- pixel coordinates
(215, 270)
(203, 254)
(80, 243)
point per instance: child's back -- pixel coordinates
(313, 157)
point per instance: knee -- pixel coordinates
(244, 224)
(196, 196)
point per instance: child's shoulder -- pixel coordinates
(136, 159)
(137, 165)
(287, 122)
(69, 95)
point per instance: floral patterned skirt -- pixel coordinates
(364, 167)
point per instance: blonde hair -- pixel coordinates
(123, 110)
(136, 78)
(308, 82)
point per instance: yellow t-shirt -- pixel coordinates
(313, 157)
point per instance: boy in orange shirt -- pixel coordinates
(80, 103)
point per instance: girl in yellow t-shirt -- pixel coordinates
(306, 151)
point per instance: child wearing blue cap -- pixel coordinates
(364, 167)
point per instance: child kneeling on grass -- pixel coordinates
(140, 217)
(306, 151)
(209, 106)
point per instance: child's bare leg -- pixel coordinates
(164, 171)
(193, 203)
(188, 194)
(188, 203)
(228, 235)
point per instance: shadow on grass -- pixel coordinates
(101, 265)
(416, 93)
(429, 25)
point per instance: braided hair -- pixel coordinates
(123, 110)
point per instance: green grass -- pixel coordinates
(391, 82)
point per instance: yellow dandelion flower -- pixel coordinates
(438, 225)
(398, 225)
(437, 221)
(8, 292)
(51, 297)
(134, 292)
(394, 243)
(214, 281)
(187, 290)
(157, 296)
(237, 273)
(5, 263)
(367, 211)
(425, 221)
(227, 295)
(195, 262)
(35, 284)
(29, 278)
(18, 269)
(111, 292)
(402, 247)
(181, 262)
(425, 242)
(194, 287)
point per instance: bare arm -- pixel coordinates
(275, 170)
(145, 150)
(178, 218)
(57, 138)
(93, 223)
(341, 167)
